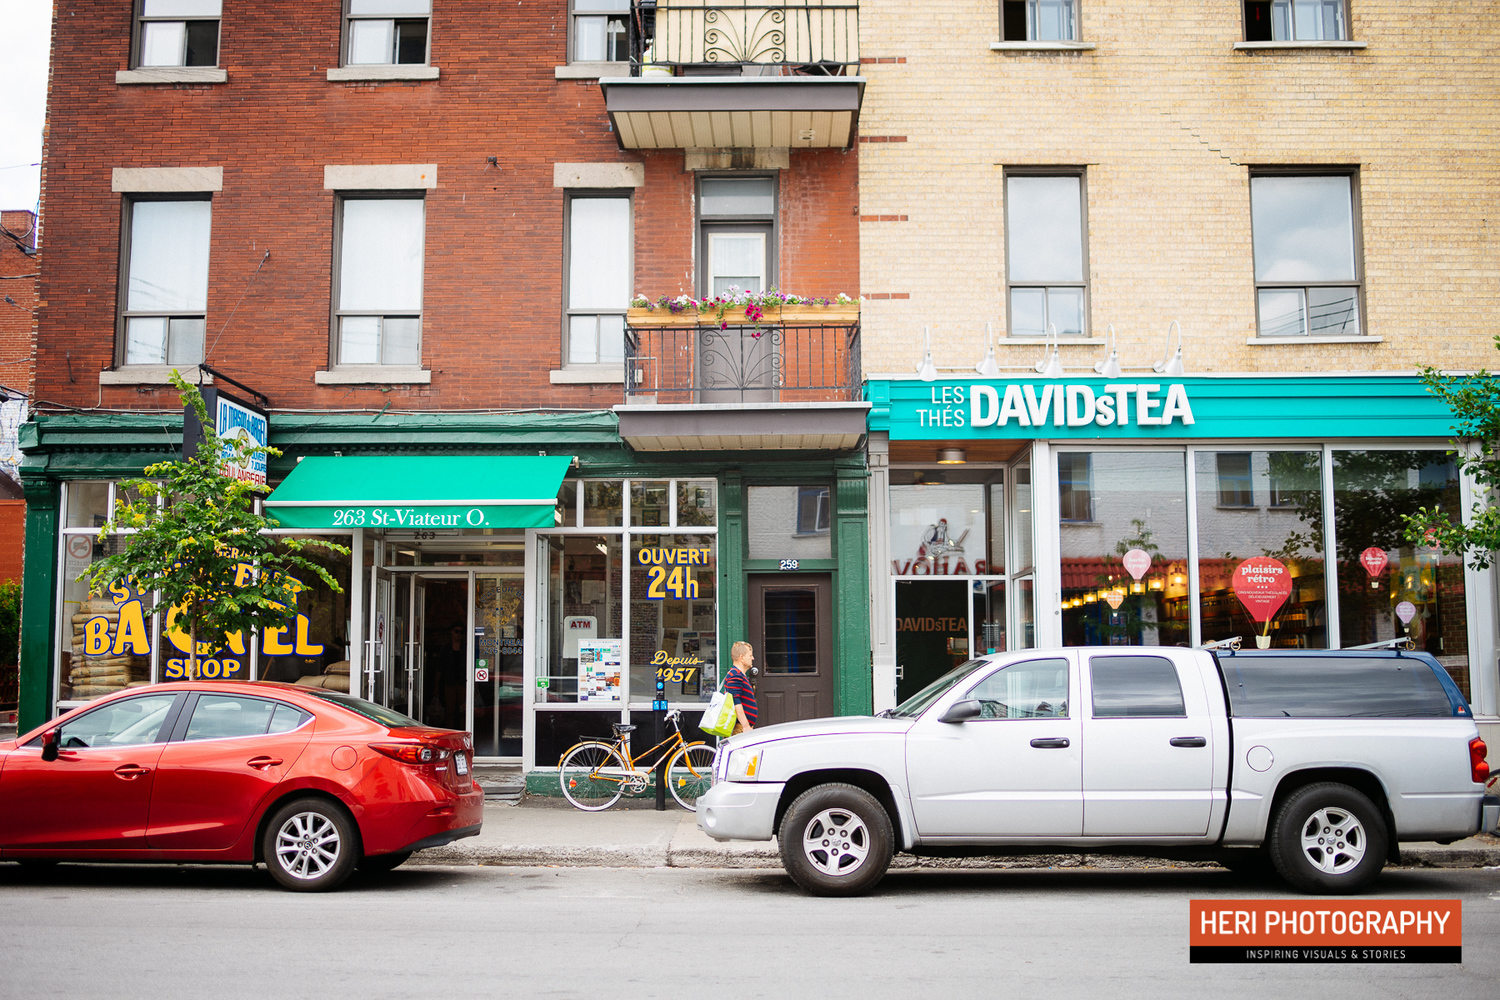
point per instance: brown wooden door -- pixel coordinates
(791, 625)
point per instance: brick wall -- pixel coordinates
(1167, 117)
(492, 313)
(18, 285)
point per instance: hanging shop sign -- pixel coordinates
(234, 420)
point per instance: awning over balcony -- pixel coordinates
(750, 427)
(420, 492)
(730, 112)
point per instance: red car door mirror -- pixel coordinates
(50, 741)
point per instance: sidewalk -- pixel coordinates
(546, 831)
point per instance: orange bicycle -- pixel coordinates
(595, 773)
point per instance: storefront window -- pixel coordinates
(1260, 513)
(695, 503)
(602, 504)
(1115, 563)
(789, 522)
(312, 648)
(674, 617)
(940, 529)
(567, 504)
(1389, 588)
(88, 504)
(649, 503)
(585, 642)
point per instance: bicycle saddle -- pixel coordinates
(621, 729)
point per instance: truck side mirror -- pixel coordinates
(50, 741)
(962, 711)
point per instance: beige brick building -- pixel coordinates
(1168, 111)
(1299, 193)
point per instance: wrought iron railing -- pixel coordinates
(781, 362)
(799, 37)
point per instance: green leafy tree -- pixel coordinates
(1475, 400)
(195, 548)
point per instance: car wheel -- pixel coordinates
(1328, 838)
(836, 840)
(379, 864)
(309, 845)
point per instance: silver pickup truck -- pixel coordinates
(1318, 762)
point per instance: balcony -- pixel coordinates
(733, 75)
(790, 380)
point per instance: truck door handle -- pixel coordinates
(263, 762)
(1189, 741)
(1050, 743)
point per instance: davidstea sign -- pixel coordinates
(1147, 407)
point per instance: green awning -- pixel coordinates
(420, 492)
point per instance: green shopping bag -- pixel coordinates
(719, 719)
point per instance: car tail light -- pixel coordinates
(412, 753)
(1478, 766)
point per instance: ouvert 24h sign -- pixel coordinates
(1313, 407)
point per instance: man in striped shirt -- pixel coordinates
(737, 683)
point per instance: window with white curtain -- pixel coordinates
(379, 315)
(1304, 238)
(601, 30)
(177, 32)
(1044, 254)
(598, 278)
(386, 32)
(166, 282)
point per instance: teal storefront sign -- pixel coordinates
(1315, 407)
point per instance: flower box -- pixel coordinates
(804, 315)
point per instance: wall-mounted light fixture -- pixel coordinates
(1171, 365)
(927, 371)
(1110, 366)
(988, 366)
(952, 456)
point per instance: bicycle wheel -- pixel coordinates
(592, 776)
(689, 773)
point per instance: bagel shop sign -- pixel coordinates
(1152, 407)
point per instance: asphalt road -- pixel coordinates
(433, 932)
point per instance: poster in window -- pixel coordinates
(599, 669)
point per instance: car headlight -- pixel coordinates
(744, 765)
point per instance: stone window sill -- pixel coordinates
(172, 74)
(1284, 341)
(589, 375)
(153, 375)
(374, 375)
(592, 70)
(1042, 46)
(377, 74)
(1261, 46)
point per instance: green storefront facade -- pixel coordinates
(529, 577)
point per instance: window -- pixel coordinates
(601, 30)
(386, 32)
(1306, 259)
(128, 722)
(1075, 499)
(1295, 21)
(1235, 484)
(598, 278)
(1045, 254)
(218, 716)
(379, 315)
(1038, 20)
(177, 33)
(812, 510)
(1032, 689)
(738, 215)
(1308, 686)
(1134, 687)
(166, 282)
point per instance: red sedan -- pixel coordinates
(308, 781)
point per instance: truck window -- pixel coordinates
(1128, 687)
(1310, 686)
(1031, 689)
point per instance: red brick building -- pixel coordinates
(400, 237)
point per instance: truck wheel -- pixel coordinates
(836, 840)
(1328, 838)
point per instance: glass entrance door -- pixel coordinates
(498, 671)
